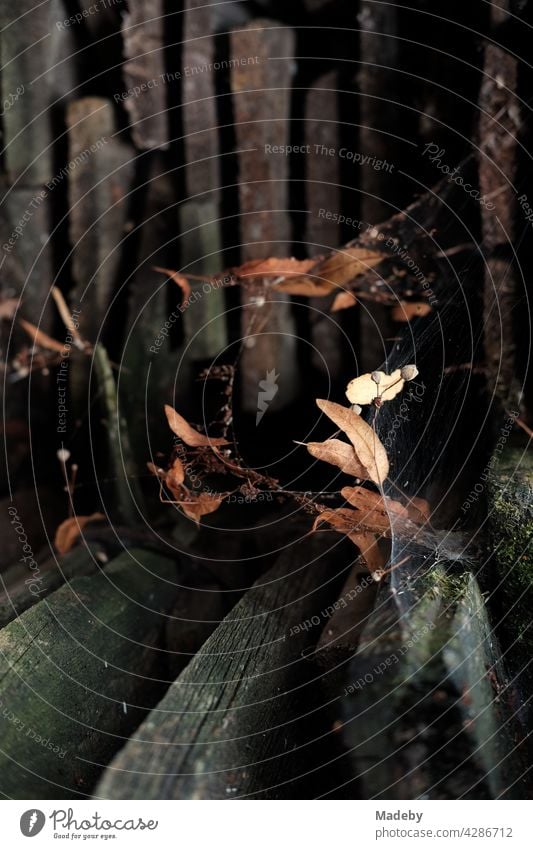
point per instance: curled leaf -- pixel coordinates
(188, 434)
(341, 518)
(363, 389)
(339, 454)
(368, 448)
(175, 476)
(68, 531)
(179, 280)
(371, 553)
(343, 301)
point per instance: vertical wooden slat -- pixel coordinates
(378, 52)
(150, 363)
(323, 233)
(100, 178)
(145, 67)
(498, 127)
(261, 76)
(25, 58)
(200, 243)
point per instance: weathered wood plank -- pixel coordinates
(25, 58)
(153, 366)
(323, 233)
(22, 587)
(77, 673)
(100, 178)
(378, 50)
(201, 240)
(143, 31)
(421, 708)
(508, 573)
(499, 125)
(221, 730)
(260, 79)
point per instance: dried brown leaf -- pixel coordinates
(201, 505)
(176, 474)
(406, 310)
(370, 552)
(179, 280)
(342, 266)
(306, 287)
(68, 531)
(368, 448)
(341, 518)
(66, 316)
(339, 454)
(419, 510)
(343, 301)
(40, 338)
(188, 434)
(363, 390)
(274, 266)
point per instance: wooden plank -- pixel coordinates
(23, 587)
(25, 226)
(377, 48)
(499, 126)
(221, 731)
(100, 178)
(153, 372)
(78, 672)
(509, 566)
(143, 32)
(323, 194)
(260, 79)
(420, 705)
(199, 217)
(25, 58)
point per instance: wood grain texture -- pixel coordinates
(79, 670)
(261, 80)
(143, 32)
(223, 729)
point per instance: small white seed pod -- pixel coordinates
(409, 372)
(357, 409)
(376, 376)
(63, 455)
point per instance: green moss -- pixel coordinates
(510, 537)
